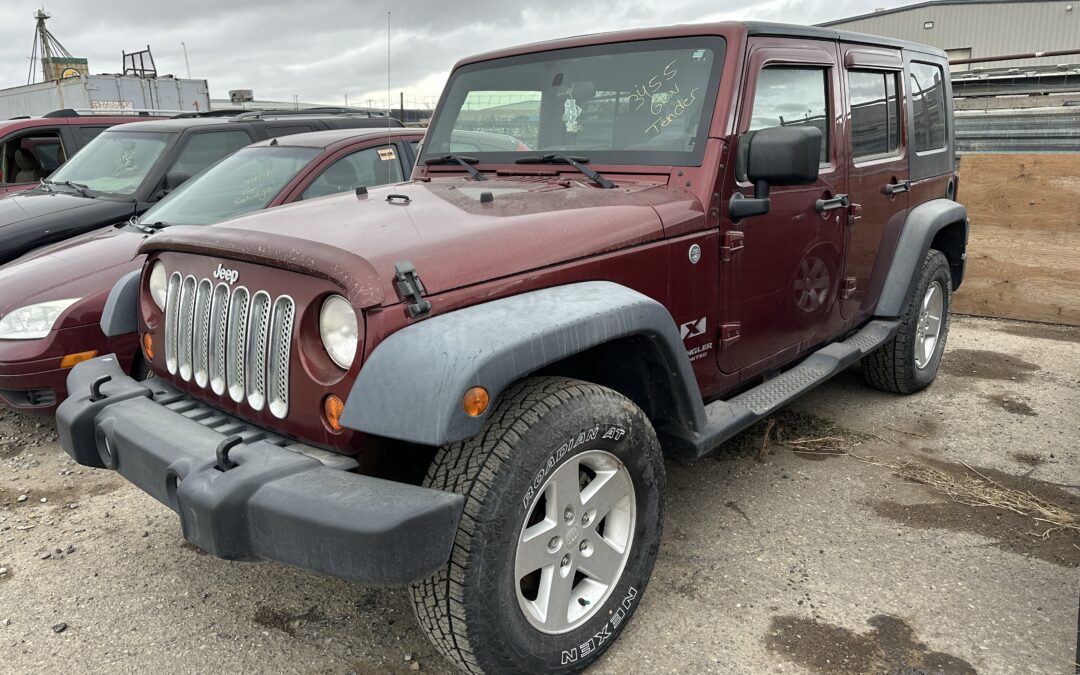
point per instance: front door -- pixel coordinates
(781, 286)
(877, 172)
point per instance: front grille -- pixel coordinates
(230, 341)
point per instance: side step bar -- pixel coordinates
(724, 419)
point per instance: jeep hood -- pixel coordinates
(84, 267)
(448, 229)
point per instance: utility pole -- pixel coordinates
(402, 94)
(186, 64)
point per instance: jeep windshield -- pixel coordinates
(241, 183)
(630, 103)
(115, 163)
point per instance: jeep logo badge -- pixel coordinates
(226, 274)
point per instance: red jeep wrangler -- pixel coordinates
(466, 383)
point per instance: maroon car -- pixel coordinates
(53, 297)
(467, 383)
(31, 148)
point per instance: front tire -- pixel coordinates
(563, 514)
(909, 361)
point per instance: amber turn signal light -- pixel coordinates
(332, 408)
(148, 346)
(476, 401)
(71, 359)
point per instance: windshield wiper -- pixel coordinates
(83, 190)
(148, 228)
(576, 162)
(464, 161)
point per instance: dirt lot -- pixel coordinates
(774, 561)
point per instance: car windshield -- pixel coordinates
(646, 102)
(241, 183)
(114, 163)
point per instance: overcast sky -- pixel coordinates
(322, 51)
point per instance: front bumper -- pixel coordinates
(31, 379)
(277, 503)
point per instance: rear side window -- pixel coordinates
(277, 130)
(875, 113)
(927, 107)
(87, 134)
(792, 97)
(204, 149)
(370, 167)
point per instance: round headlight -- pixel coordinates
(159, 285)
(339, 330)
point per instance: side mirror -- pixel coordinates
(175, 180)
(777, 156)
(170, 183)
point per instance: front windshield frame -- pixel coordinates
(167, 138)
(161, 210)
(439, 137)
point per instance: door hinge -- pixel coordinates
(410, 289)
(731, 243)
(848, 287)
(854, 212)
(730, 334)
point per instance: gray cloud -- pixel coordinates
(323, 51)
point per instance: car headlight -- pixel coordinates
(339, 330)
(33, 321)
(158, 285)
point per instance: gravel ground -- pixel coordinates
(773, 560)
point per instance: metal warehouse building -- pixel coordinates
(980, 28)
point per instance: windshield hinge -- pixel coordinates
(410, 289)
(732, 242)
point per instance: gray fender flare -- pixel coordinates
(121, 313)
(411, 386)
(922, 225)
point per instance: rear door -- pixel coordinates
(781, 270)
(878, 181)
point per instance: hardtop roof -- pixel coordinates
(717, 28)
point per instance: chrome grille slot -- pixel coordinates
(234, 349)
(185, 318)
(172, 306)
(234, 342)
(281, 323)
(201, 347)
(255, 353)
(219, 333)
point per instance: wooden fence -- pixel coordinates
(1024, 246)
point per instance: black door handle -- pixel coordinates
(837, 202)
(897, 188)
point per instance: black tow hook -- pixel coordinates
(95, 388)
(222, 452)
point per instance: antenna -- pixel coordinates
(388, 135)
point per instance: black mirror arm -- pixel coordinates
(740, 206)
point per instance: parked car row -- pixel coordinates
(134, 180)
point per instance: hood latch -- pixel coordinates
(410, 289)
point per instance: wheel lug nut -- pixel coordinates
(554, 543)
(565, 560)
(584, 546)
(585, 519)
(568, 515)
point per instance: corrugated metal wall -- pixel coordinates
(987, 29)
(1036, 130)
